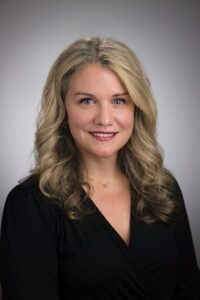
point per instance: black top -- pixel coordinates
(46, 256)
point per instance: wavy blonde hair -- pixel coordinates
(58, 166)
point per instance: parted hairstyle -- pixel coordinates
(58, 163)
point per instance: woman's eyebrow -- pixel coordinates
(91, 95)
(121, 94)
(84, 93)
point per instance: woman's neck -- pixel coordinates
(100, 168)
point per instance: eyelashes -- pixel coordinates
(86, 101)
(89, 101)
(119, 101)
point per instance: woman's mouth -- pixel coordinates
(103, 136)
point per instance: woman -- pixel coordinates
(99, 217)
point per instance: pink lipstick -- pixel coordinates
(103, 136)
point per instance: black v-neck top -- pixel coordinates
(44, 255)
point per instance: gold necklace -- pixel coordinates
(103, 184)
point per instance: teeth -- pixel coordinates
(103, 134)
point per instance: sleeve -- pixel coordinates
(188, 273)
(28, 256)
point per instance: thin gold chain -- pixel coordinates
(103, 184)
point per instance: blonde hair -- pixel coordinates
(58, 165)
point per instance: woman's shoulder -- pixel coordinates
(179, 199)
(26, 196)
(177, 192)
(181, 223)
(27, 188)
(30, 229)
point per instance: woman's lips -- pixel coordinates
(103, 136)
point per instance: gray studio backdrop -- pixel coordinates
(165, 36)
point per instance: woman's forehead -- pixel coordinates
(95, 77)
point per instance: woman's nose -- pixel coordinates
(104, 115)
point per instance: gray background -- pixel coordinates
(164, 34)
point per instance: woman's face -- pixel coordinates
(100, 111)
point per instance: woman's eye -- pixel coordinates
(86, 101)
(119, 101)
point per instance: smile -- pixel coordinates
(103, 136)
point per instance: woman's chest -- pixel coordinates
(92, 255)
